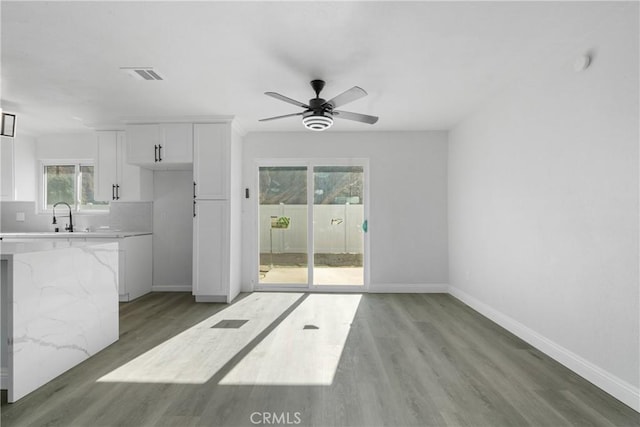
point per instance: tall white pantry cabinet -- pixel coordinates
(217, 196)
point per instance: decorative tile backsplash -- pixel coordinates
(123, 216)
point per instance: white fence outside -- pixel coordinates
(338, 229)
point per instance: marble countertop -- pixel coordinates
(75, 235)
(23, 246)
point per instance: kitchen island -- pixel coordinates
(135, 255)
(59, 306)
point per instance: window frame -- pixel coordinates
(77, 164)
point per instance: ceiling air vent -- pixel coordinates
(142, 73)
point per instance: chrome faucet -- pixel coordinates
(69, 227)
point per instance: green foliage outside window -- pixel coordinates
(333, 185)
(62, 183)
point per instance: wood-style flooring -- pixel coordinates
(407, 360)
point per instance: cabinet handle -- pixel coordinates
(194, 189)
(117, 191)
(113, 191)
(155, 153)
(159, 152)
(194, 208)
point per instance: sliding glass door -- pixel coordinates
(338, 218)
(312, 225)
(282, 217)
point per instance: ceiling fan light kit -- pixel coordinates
(317, 122)
(318, 114)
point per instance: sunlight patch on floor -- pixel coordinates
(195, 355)
(348, 276)
(304, 349)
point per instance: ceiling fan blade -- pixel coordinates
(346, 97)
(286, 99)
(355, 116)
(280, 117)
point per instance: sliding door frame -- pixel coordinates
(310, 163)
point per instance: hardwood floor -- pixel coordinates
(408, 360)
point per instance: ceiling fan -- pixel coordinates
(319, 114)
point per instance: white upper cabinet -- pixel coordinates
(177, 143)
(211, 151)
(143, 144)
(115, 179)
(164, 146)
(106, 174)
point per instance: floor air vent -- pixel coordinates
(229, 324)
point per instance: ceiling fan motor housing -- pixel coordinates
(316, 104)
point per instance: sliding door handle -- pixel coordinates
(194, 208)
(155, 153)
(117, 191)
(159, 152)
(194, 189)
(113, 191)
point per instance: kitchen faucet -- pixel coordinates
(69, 228)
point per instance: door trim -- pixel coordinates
(310, 163)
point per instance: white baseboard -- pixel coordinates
(211, 298)
(162, 288)
(398, 288)
(618, 388)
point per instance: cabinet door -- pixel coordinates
(143, 141)
(177, 143)
(138, 265)
(210, 248)
(106, 174)
(134, 183)
(211, 161)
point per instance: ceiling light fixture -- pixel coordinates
(317, 121)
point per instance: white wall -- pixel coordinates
(172, 230)
(67, 146)
(25, 167)
(543, 209)
(408, 199)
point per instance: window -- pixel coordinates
(70, 182)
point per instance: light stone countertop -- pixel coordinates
(75, 235)
(23, 246)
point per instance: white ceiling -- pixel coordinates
(425, 65)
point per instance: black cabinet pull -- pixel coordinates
(113, 191)
(117, 191)
(159, 152)
(194, 189)
(194, 208)
(155, 153)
